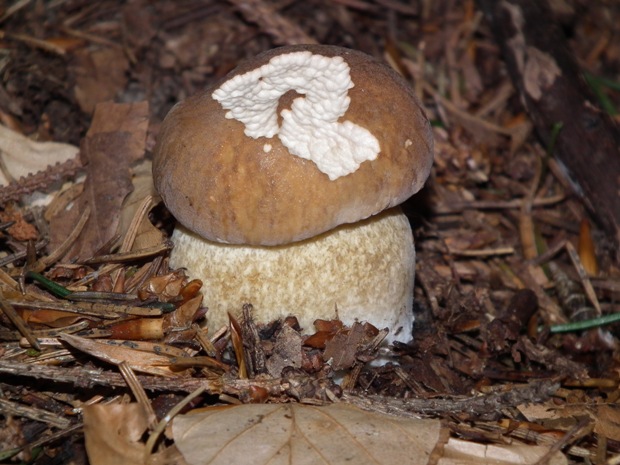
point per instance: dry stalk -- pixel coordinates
(19, 323)
(123, 257)
(526, 223)
(456, 207)
(11, 408)
(40, 181)
(138, 392)
(106, 311)
(84, 377)
(581, 429)
(471, 118)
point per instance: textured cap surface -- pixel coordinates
(231, 187)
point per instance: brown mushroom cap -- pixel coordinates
(229, 187)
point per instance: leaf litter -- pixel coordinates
(484, 380)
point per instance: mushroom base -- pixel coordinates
(358, 272)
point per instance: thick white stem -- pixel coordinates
(359, 272)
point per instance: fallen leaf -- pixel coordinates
(183, 316)
(297, 434)
(325, 331)
(115, 140)
(166, 287)
(539, 412)
(21, 156)
(138, 23)
(460, 452)
(112, 433)
(100, 75)
(608, 421)
(146, 235)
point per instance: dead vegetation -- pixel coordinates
(508, 254)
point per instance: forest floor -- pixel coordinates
(507, 253)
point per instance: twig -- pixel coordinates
(581, 272)
(95, 39)
(483, 252)
(41, 442)
(204, 341)
(540, 437)
(526, 224)
(19, 255)
(159, 429)
(130, 256)
(46, 333)
(583, 277)
(87, 377)
(570, 436)
(12, 315)
(33, 42)
(11, 10)
(11, 408)
(481, 405)
(495, 204)
(464, 115)
(40, 181)
(138, 392)
(107, 311)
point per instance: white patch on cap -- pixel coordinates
(310, 129)
(267, 148)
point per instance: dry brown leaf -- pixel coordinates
(115, 140)
(139, 25)
(607, 421)
(166, 287)
(296, 434)
(21, 156)
(113, 432)
(138, 360)
(460, 452)
(147, 235)
(183, 316)
(101, 74)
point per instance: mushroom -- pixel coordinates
(284, 177)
